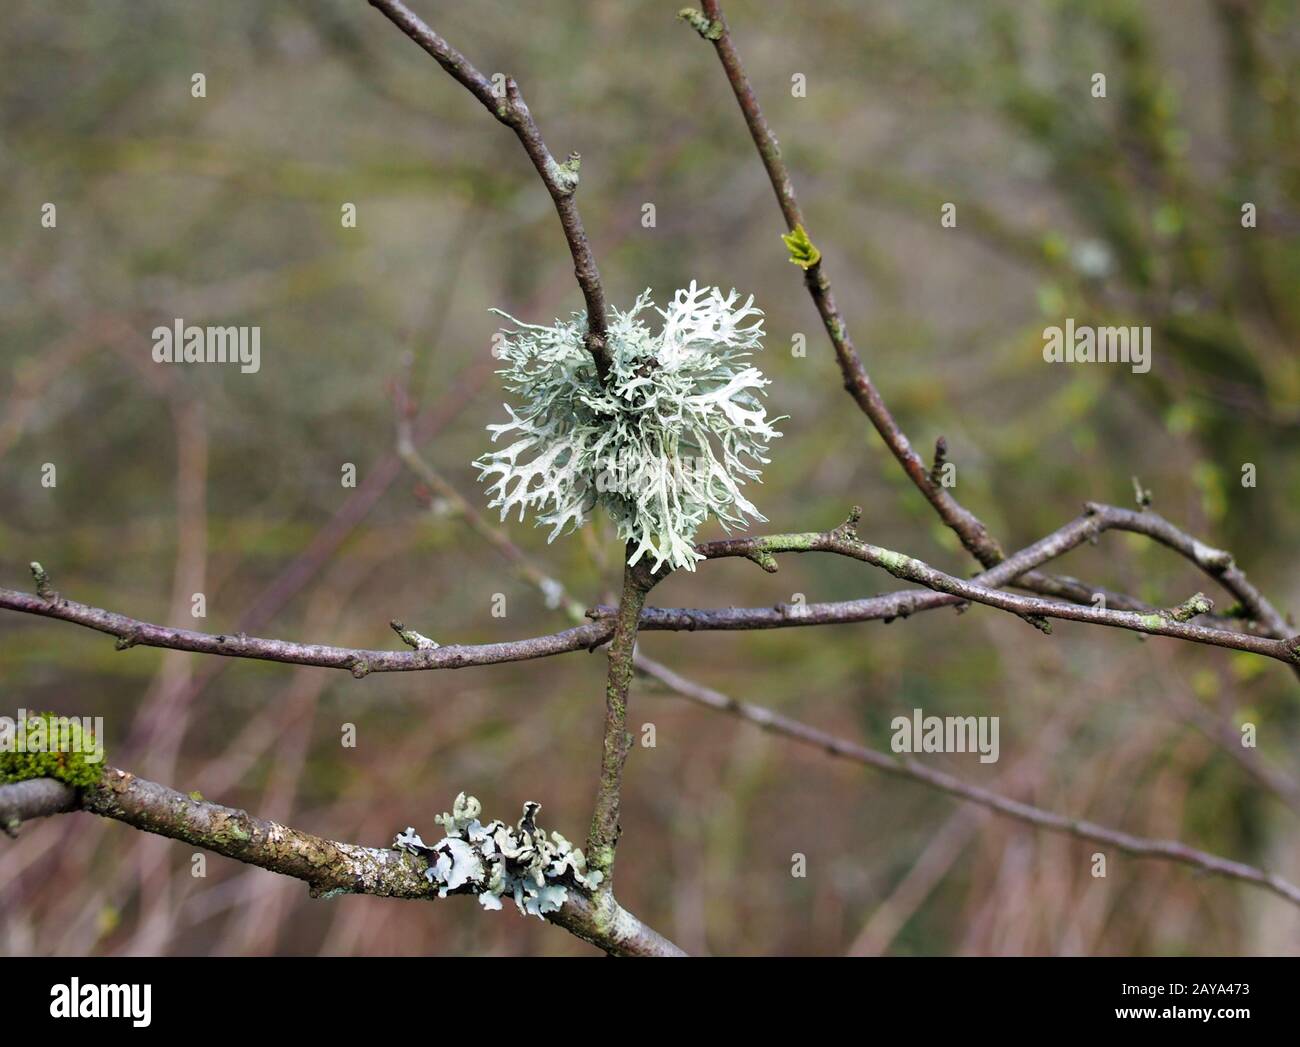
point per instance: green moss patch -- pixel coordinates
(56, 747)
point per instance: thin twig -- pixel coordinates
(561, 180)
(1175, 622)
(1276, 644)
(132, 632)
(889, 606)
(905, 767)
(973, 534)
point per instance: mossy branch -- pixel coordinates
(328, 867)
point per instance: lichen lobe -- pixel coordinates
(495, 861)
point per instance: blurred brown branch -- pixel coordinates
(768, 720)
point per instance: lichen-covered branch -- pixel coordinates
(1267, 622)
(906, 767)
(560, 179)
(328, 867)
(843, 540)
(602, 840)
(887, 607)
(712, 26)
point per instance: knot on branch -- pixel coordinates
(1210, 559)
(702, 23)
(514, 110)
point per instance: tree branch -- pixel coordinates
(889, 606)
(1097, 518)
(973, 534)
(1173, 622)
(905, 767)
(328, 867)
(602, 841)
(561, 180)
(132, 632)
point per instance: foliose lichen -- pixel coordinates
(496, 861)
(52, 747)
(665, 441)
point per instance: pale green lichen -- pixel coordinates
(565, 175)
(495, 861)
(412, 639)
(893, 562)
(52, 746)
(44, 589)
(333, 892)
(701, 23)
(667, 440)
(1191, 608)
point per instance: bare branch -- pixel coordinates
(131, 632)
(1217, 563)
(330, 868)
(38, 798)
(561, 180)
(905, 767)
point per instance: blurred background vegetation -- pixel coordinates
(226, 210)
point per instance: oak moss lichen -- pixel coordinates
(665, 441)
